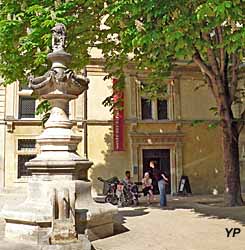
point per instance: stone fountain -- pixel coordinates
(59, 210)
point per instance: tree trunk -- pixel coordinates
(230, 144)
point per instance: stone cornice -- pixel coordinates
(156, 138)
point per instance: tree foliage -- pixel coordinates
(158, 33)
(25, 37)
(152, 34)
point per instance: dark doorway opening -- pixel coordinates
(162, 158)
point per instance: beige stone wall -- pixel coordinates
(107, 163)
(202, 158)
(242, 159)
(201, 152)
(195, 104)
(98, 90)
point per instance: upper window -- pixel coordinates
(155, 108)
(27, 105)
(24, 87)
(162, 109)
(67, 109)
(146, 108)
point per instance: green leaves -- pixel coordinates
(43, 109)
(25, 37)
(205, 10)
(214, 110)
(155, 89)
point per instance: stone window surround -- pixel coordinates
(133, 81)
(24, 93)
(154, 103)
(172, 141)
(32, 151)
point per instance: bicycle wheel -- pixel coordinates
(111, 199)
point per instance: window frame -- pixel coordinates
(170, 104)
(24, 152)
(22, 93)
(167, 101)
(151, 110)
(22, 115)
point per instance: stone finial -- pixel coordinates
(58, 37)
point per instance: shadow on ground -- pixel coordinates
(212, 207)
(203, 206)
(120, 219)
(233, 213)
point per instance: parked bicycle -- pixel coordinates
(127, 194)
(119, 193)
(109, 190)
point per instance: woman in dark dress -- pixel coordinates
(161, 180)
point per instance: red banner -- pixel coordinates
(118, 121)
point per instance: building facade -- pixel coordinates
(160, 130)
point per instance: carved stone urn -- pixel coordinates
(59, 208)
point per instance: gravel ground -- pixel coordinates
(200, 228)
(188, 223)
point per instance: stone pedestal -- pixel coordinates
(31, 221)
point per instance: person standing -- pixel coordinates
(161, 182)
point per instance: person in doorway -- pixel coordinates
(161, 182)
(147, 187)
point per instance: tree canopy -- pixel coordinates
(25, 37)
(158, 33)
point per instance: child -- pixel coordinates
(147, 187)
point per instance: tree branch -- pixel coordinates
(202, 65)
(219, 32)
(234, 75)
(211, 85)
(220, 82)
(223, 61)
(211, 56)
(207, 72)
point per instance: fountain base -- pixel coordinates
(33, 220)
(82, 244)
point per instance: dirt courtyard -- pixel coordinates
(188, 223)
(184, 225)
